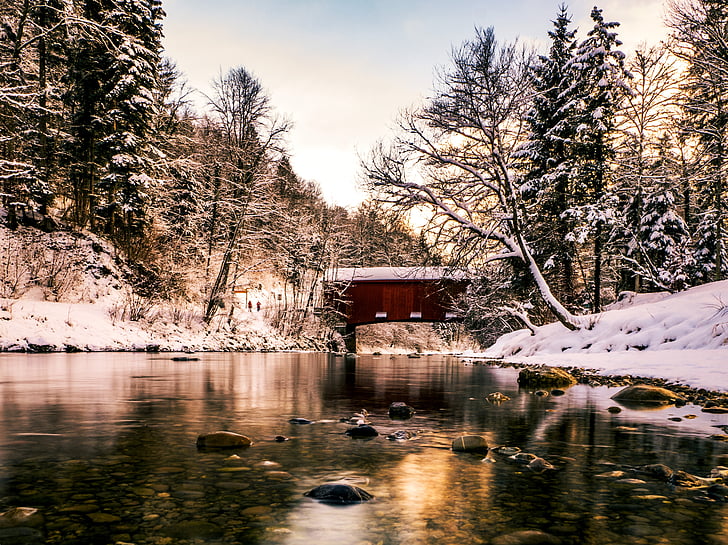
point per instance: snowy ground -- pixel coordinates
(681, 337)
(66, 291)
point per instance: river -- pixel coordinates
(103, 445)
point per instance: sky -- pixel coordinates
(342, 70)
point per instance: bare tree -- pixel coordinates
(251, 136)
(453, 162)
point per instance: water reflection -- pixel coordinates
(104, 446)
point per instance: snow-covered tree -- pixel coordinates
(653, 237)
(31, 43)
(128, 114)
(700, 29)
(454, 160)
(549, 162)
(598, 89)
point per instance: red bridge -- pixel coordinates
(358, 296)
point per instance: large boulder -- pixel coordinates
(400, 410)
(470, 443)
(648, 394)
(340, 493)
(545, 377)
(223, 439)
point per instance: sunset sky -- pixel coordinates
(341, 70)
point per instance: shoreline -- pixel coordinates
(712, 401)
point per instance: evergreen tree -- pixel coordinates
(547, 152)
(113, 69)
(128, 113)
(701, 31)
(596, 93)
(30, 48)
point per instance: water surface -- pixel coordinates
(103, 445)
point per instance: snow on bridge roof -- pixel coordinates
(374, 274)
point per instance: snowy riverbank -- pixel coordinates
(45, 326)
(682, 338)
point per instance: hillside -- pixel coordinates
(68, 291)
(681, 337)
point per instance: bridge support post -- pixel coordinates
(350, 338)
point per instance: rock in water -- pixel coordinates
(526, 537)
(302, 421)
(544, 377)
(400, 410)
(496, 398)
(362, 431)
(470, 443)
(339, 493)
(223, 439)
(20, 516)
(401, 435)
(645, 393)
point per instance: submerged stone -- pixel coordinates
(223, 439)
(470, 443)
(526, 537)
(362, 431)
(339, 493)
(400, 410)
(302, 421)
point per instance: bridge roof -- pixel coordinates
(391, 274)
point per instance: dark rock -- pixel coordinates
(300, 421)
(339, 493)
(152, 348)
(470, 443)
(526, 537)
(614, 410)
(647, 394)
(718, 492)
(223, 439)
(715, 410)
(41, 348)
(71, 349)
(557, 392)
(539, 465)
(544, 377)
(364, 430)
(280, 438)
(185, 358)
(658, 471)
(400, 410)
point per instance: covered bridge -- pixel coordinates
(358, 296)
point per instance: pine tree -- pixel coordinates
(597, 90)
(129, 109)
(547, 152)
(30, 47)
(701, 30)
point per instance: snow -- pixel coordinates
(681, 337)
(96, 327)
(389, 273)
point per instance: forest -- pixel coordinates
(558, 179)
